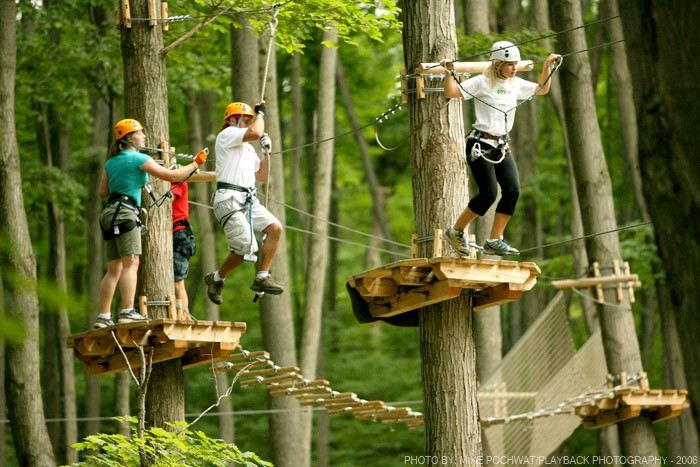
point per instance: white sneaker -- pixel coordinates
(500, 248)
(132, 316)
(459, 242)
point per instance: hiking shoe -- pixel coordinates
(266, 285)
(459, 242)
(132, 316)
(214, 288)
(103, 323)
(500, 248)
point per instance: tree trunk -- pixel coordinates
(598, 215)
(375, 188)
(206, 248)
(452, 427)
(658, 37)
(146, 100)
(318, 243)
(25, 409)
(276, 317)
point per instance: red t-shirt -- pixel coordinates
(181, 205)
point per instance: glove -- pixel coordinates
(201, 157)
(260, 109)
(266, 143)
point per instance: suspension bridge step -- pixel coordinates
(626, 403)
(394, 292)
(194, 342)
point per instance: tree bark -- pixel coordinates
(206, 248)
(318, 242)
(452, 427)
(146, 100)
(276, 317)
(595, 195)
(375, 188)
(25, 409)
(659, 37)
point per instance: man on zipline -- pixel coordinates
(236, 207)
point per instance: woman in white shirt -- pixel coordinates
(496, 93)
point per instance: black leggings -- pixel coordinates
(488, 177)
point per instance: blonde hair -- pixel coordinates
(491, 72)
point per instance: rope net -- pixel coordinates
(540, 372)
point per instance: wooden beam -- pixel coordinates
(203, 177)
(376, 286)
(586, 282)
(414, 298)
(469, 67)
(497, 295)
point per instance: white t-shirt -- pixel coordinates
(236, 163)
(504, 97)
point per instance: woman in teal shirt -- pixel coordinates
(125, 174)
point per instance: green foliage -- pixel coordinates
(164, 448)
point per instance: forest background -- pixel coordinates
(69, 59)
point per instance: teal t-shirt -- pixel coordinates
(125, 174)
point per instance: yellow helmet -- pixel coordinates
(126, 126)
(238, 108)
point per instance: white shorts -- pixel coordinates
(237, 228)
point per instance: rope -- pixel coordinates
(273, 26)
(547, 245)
(340, 240)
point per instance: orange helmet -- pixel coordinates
(238, 108)
(126, 126)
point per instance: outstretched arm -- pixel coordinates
(545, 79)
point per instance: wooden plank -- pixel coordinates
(376, 286)
(411, 275)
(653, 398)
(91, 346)
(208, 354)
(497, 295)
(483, 271)
(198, 331)
(664, 413)
(116, 362)
(269, 371)
(415, 298)
(612, 417)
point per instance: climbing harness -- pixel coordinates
(116, 229)
(251, 194)
(478, 152)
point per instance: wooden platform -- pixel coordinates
(626, 403)
(389, 291)
(195, 342)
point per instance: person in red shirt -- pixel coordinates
(184, 246)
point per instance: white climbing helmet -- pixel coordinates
(505, 51)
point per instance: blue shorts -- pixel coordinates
(184, 248)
